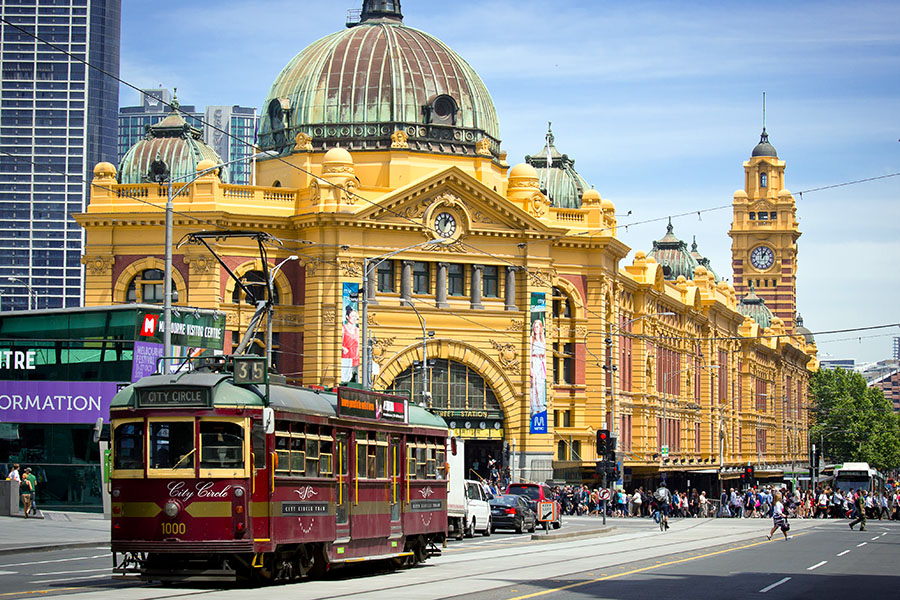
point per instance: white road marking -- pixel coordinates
(816, 566)
(9, 572)
(107, 569)
(876, 537)
(861, 545)
(774, 585)
(58, 560)
(843, 553)
(72, 579)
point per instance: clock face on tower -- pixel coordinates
(762, 258)
(445, 225)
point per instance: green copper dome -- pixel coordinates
(557, 176)
(172, 148)
(673, 256)
(753, 306)
(356, 87)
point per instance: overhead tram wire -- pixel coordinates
(374, 203)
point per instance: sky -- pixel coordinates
(658, 103)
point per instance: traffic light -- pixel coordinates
(747, 475)
(602, 443)
(615, 472)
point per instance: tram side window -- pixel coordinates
(298, 455)
(312, 454)
(222, 445)
(381, 451)
(172, 445)
(129, 449)
(283, 453)
(362, 449)
(326, 454)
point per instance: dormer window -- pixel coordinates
(763, 180)
(441, 110)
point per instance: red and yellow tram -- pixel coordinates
(211, 480)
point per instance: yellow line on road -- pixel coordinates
(641, 570)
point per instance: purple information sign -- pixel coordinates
(146, 355)
(55, 401)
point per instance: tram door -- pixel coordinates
(396, 491)
(261, 480)
(342, 493)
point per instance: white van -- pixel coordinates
(478, 511)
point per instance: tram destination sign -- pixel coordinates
(173, 397)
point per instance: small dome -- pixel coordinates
(607, 204)
(358, 86)
(672, 254)
(753, 306)
(523, 170)
(764, 148)
(104, 169)
(591, 197)
(337, 155)
(171, 149)
(558, 178)
(806, 333)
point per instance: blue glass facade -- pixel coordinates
(58, 120)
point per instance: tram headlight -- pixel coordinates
(171, 509)
(116, 492)
(238, 492)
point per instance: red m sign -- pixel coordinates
(149, 327)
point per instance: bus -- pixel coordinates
(858, 475)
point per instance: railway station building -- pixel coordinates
(494, 291)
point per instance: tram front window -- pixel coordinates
(172, 445)
(129, 446)
(221, 445)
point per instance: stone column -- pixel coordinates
(477, 272)
(371, 284)
(441, 291)
(406, 282)
(510, 291)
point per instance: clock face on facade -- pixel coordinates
(445, 225)
(762, 257)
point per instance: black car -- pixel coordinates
(513, 511)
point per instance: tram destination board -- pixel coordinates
(173, 397)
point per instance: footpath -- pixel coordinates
(55, 531)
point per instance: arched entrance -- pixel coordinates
(467, 400)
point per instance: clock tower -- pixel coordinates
(764, 234)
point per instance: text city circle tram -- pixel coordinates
(221, 474)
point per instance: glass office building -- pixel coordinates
(58, 120)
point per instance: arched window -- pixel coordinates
(453, 386)
(562, 304)
(256, 282)
(148, 287)
(763, 180)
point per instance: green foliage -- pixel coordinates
(854, 422)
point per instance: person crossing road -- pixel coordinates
(860, 503)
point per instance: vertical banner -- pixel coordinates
(538, 364)
(350, 333)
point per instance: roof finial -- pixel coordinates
(669, 227)
(694, 245)
(764, 138)
(175, 100)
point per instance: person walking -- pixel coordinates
(860, 502)
(779, 520)
(14, 474)
(27, 488)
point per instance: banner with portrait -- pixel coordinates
(350, 333)
(538, 395)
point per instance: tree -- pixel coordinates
(856, 421)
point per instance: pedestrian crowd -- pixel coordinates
(27, 487)
(753, 502)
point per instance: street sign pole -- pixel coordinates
(604, 500)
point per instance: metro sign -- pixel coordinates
(148, 329)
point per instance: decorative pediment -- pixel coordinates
(484, 209)
(762, 206)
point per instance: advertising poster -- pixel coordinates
(350, 333)
(55, 401)
(538, 364)
(194, 334)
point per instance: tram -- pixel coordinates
(216, 480)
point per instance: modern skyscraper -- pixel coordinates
(58, 121)
(220, 126)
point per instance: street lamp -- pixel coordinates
(32, 294)
(611, 368)
(161, 175)
(369, 264)
(666, 400)
(271, 310)
(426, 393)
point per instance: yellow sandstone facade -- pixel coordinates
(660, 362)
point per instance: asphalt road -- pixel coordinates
(696, 559)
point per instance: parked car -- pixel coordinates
(538, 492)
(513, 511)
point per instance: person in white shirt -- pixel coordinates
(14, 474)
(778, 518)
